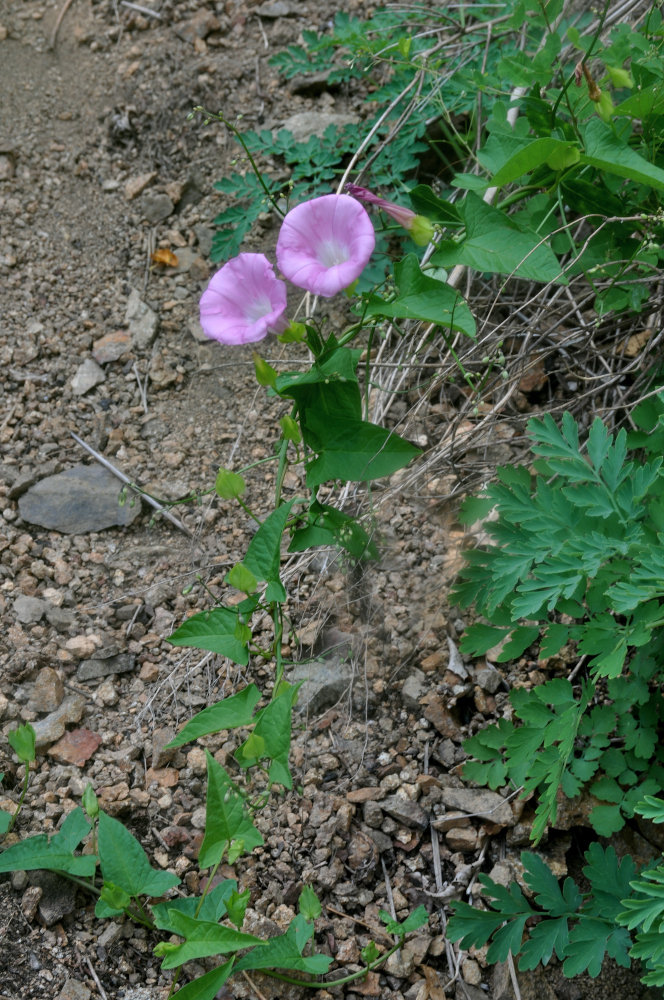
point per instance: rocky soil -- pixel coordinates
(99, 168)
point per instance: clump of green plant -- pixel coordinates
(576, 560)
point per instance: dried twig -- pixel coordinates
(124, 479)
(54, 34)
(102, 992)
(141, 10)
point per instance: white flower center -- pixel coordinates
(331, 252)
(258, 308)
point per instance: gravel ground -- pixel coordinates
(98, 168)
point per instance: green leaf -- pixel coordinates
(112, 901)
(203, 938)
(22, 742)
(5, 820)
(590, 939)
(54, 854)
(356, 451)
(271, 737)
(236, 905)
(242, 579)
(238, 710)
(263, 557)
(226, 817)
(606, 820)
(418, 918)
(545, 938)
(208, 986)
(603, 149)
(124, 862)
(309, 904)
(328, 526)
(494, 244)
(284, 952)
(425, 298)
(210, 907)
(555, 152)
(213, 630)
(229, 485)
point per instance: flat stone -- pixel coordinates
(30, 610)
(75, 747)
(87, 376)
(121, 663)
(461, 838)
(111, 347)
(141, 320)
(413, 690)
(82, 499)
(324, 683)
(359, 795)
(306, 124)
(58, 896)
(73, 990)
(279, 8)
(48, 691)
(51, 728)
(137, 185)
(489, 678)
(166, 777)
(405, 811)
(81, 646)
(440, 717)
(156, 207)
(481, 803)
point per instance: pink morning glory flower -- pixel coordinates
(325, 244)
(419, 227)
(244, 301)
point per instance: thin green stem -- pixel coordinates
(24, 791)
(330, 984)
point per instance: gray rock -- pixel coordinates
(204, 236)
(405, 811)
(51, 728)
(87, 376)
(89, 670)
(464, 991)
(278, 8)
(481, 803)
(324, 683)
(414, 688)
(82, 499)
(60, 618)
(141, 320)
(304, 124)
(58, 896)
(196, 330)
(156, 207)
(373, 815)
(489, 679)
(30, 610)
(47, 692)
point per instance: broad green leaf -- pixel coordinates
(494, 244)
(606, 820)
(208, 986)
(229, 485)
(545, 938)
(309, 904)
(603, 149)
(284, 952)
(271, 737)
(213, 630)
(479, 639)
(357, 451)
(203, 938)
(330, 387)
(54, 854)
(555, 152)
(226, 817)
(232, 712)
(418, 918)
(236, 906)
(5, 820)
(430, 205)
(22, 742)
(422, 297)
(124, 862)
(210, 907)
(329, 526)
(263, 557)
(589, 940)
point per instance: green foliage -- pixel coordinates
(574, 553)
(54, 853)
(22, 742)
(579, 928)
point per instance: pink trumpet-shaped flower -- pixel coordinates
(325, 244)
(419, 227)
(244, 301)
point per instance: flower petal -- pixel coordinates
(244, 301)
(325, 244)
